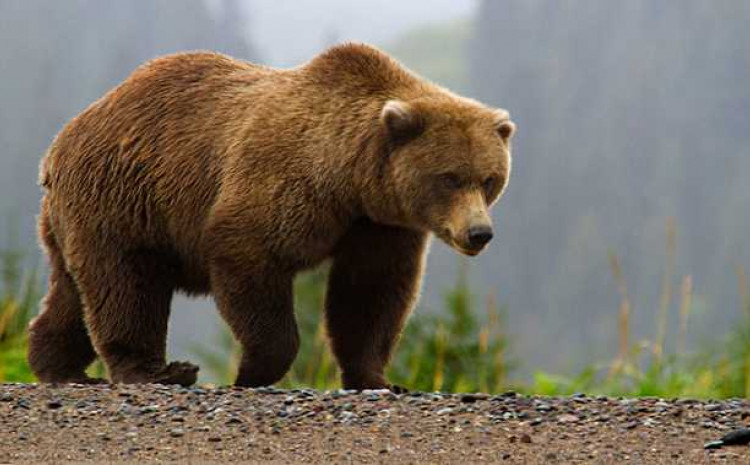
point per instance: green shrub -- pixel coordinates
(455, 350)
(19, 294)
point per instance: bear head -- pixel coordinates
(449, 160)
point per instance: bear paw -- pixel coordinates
(83, 379)
(90, 380)
(396, 389)
(182, 373)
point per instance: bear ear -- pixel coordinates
(503, 125)
(401, 120)
(506, 129)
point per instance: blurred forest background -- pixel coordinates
(628, 212)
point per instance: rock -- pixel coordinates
(177, 432)
(526, 439)
(469, 398)
(347, 416)
(54, 404)
(81, 405)
(567, 418)
(543, 407)
(714, 445)
(738, 437)
(148, 409)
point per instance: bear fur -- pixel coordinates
(209, 175)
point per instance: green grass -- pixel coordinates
(19, 295)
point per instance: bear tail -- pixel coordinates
(44, 176)
(45, 167)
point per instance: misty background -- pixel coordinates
(629, 114)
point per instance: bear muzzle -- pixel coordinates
(474, 240)
(479, 236)
(471, 242)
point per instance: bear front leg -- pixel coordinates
(373, 285)
(258, 307)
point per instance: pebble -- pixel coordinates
(567, 418)
(173, 412)
(347, 416)
(543, 407)
(469, 398)
(54, 404)
(630, 425)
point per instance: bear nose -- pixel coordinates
(479, 236)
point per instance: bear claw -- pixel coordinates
(396, 389)
(182, 373)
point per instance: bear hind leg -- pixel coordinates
(59, 345)
(127, 304)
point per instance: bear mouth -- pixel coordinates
(469, 252)
(452, 243)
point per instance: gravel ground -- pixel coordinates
(149, 423)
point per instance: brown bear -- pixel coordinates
(209, 175)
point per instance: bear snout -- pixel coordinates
(479, 236)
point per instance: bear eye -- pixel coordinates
(451, 181)
(489, 185)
